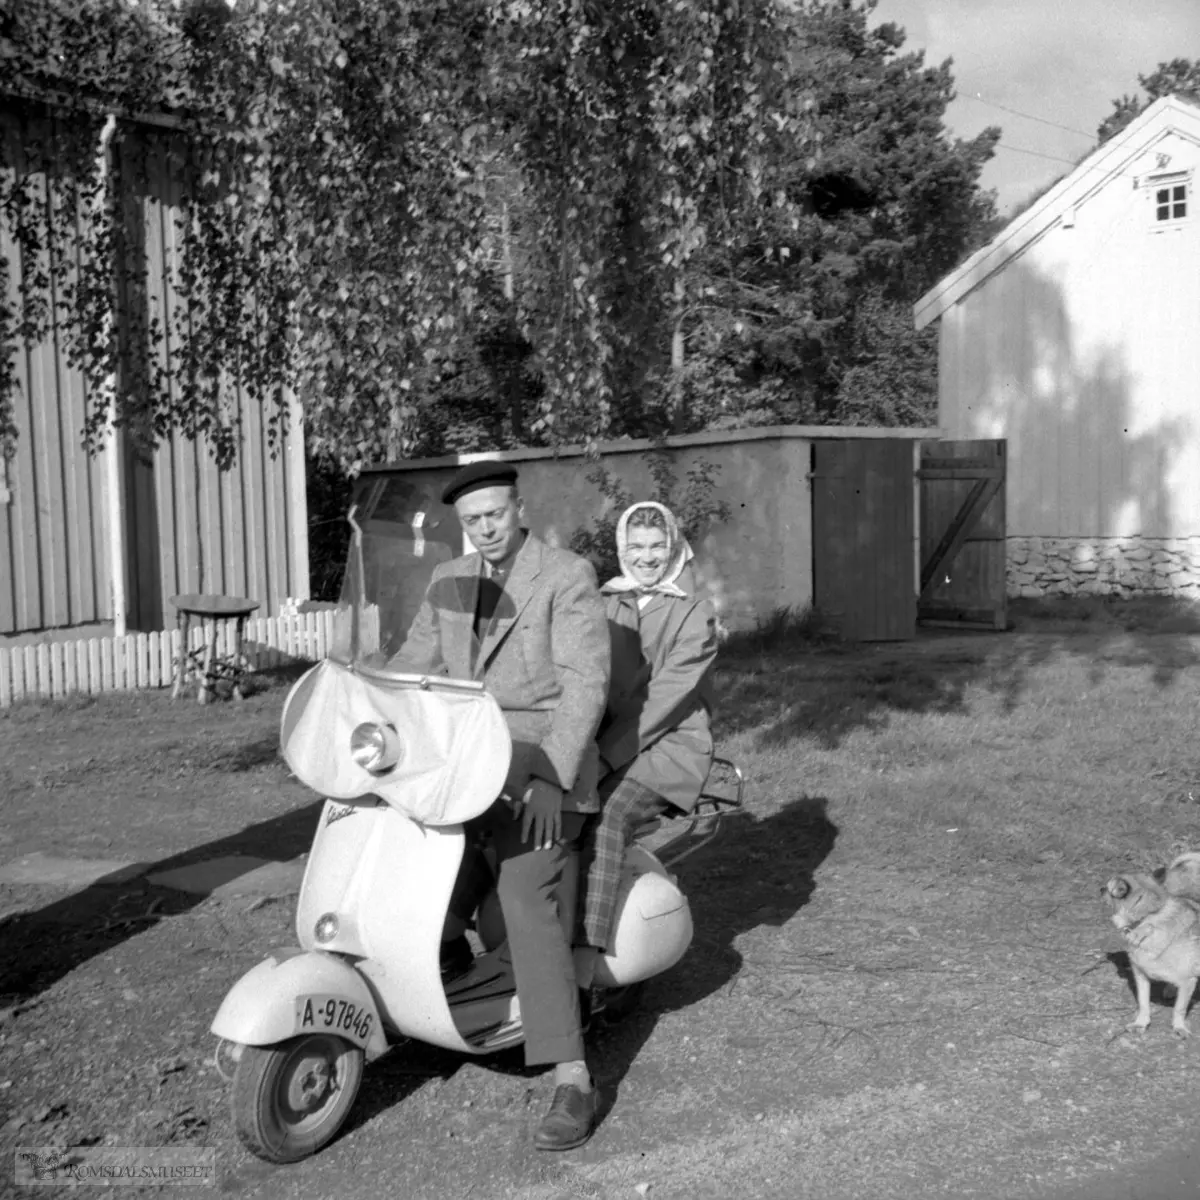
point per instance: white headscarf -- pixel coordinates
(679, 554)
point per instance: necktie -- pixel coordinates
(491, 588)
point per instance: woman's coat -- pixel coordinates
(660, 692)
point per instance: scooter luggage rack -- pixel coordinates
(704, 822)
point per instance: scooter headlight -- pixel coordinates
(375, 748)
(326, 928)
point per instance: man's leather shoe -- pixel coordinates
(569, 1122)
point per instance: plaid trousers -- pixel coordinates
(626, 805)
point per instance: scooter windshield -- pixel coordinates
(397, 540)
(436, 748)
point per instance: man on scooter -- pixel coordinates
(527, 620)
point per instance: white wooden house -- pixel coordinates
(1075, 335)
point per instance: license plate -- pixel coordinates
(334, 1014)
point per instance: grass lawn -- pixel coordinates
(901, 971)
(1071, 740)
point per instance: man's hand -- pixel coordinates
(541, 813)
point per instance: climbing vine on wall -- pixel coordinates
(353, 178)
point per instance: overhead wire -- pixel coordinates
(1076, 163)
(1037, 154)
(1070, 162)
(1016, 112)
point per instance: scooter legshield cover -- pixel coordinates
(456, 744)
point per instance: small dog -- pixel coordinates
(1162, 930)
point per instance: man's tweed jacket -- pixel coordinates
(544, 657)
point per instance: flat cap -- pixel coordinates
(478, 475)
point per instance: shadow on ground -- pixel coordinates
(758, 872)
(787, 683)
(38, 948)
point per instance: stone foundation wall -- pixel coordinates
(1112, 566)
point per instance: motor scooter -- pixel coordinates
(403, 761)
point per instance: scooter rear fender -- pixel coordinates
(271, 1002)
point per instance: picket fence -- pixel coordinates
(147, 660)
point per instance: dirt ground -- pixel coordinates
(846, 1026)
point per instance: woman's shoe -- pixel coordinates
(456, 958)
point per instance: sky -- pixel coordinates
(1056, 61)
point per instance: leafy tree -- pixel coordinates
(371, 183)
(65, 222)
(803, 306)
(1180, 76)
(889, 370)
(494, 222)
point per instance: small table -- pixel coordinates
(205, 662)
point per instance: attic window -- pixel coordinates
(1170, 198)
(1170, 203)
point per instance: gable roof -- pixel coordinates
(1170, 114)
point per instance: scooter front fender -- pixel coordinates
(267, 1005)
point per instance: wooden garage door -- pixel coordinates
(863, 532)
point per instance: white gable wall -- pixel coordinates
(1084, 352)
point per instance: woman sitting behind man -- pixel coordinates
(655, 741)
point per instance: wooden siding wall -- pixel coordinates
(54, 563)
(188, 526)
(192, 528)
(1082, 353)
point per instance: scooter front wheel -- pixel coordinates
(291, 1098)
